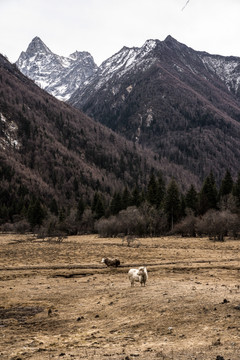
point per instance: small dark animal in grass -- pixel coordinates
(111, 262)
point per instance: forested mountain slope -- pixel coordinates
(51, 151)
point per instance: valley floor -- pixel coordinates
(58, 301)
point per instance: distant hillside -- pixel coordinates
(54, 152)
(182, 104)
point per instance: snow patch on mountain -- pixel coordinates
(9, 130)
(226, 68)
(129, 88)
(149, 117)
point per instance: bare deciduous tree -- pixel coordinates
(217, 224)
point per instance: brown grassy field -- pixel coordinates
(57, 301)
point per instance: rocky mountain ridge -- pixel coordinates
(58, 75)
(181, 103)
(131, 60)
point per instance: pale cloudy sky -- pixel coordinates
(103, 27)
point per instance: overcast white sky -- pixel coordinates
(103, 27)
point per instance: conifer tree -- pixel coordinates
(97, 206)
(236, 190)
(53, 207)
(62, 215)
(4, 213)
(99, 210)
(191, 199)
(226, 185)
(182, 212)
(80, 208)
(126, 199)
(136, 197)
(116, 204)
(94, 202)
(35, 213)
(172, 203)
(208, 195)
(152, 191)
(161, 190)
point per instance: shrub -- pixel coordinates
(217, 224)
(142, 221)
(187, 227)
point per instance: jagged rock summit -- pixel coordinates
(37, 46)
(58, 75)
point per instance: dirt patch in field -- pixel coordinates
(58, 301)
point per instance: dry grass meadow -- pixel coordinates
(58, 301)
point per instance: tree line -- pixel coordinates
(163, 209)
(157, 209)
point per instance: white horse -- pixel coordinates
(138, 275)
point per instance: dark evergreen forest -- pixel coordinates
(159, 208)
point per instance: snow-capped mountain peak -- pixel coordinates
(58, 75)
(37, 46)
(125, 60)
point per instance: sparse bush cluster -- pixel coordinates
(215, 224)
(142, 221)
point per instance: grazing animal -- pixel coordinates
(138, 275)
(111, 262)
